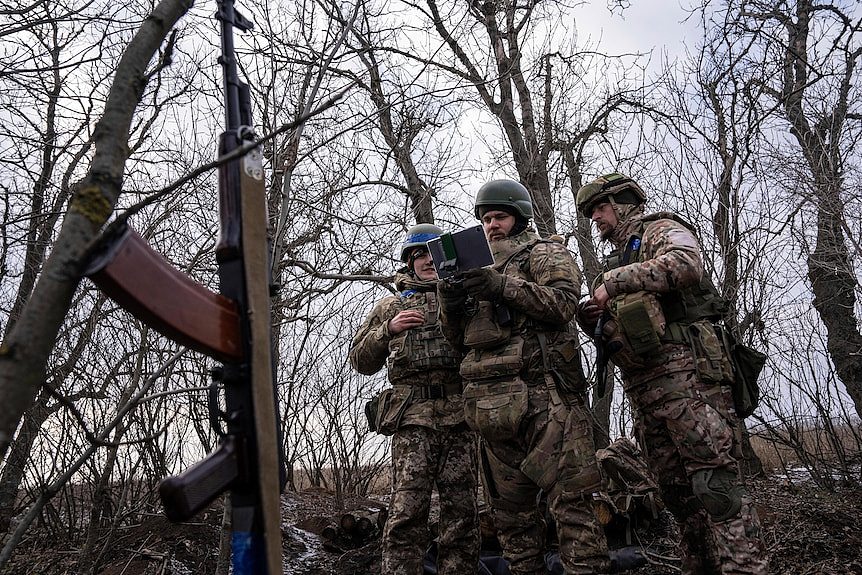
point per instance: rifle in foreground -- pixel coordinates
(232, 326)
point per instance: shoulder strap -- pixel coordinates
(630, 253)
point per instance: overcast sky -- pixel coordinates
(658, 25)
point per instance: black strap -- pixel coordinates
(551, 375)
(435, 391)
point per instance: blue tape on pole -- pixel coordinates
(248, 553)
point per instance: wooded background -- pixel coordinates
(752, 134)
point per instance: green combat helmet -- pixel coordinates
(504, 193)
(417, 236)
(609, 185)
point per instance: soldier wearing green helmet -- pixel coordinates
(504, 193)
(423, 411)
(663, 313)
(624, 196)
(523, 394)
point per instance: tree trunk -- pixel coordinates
(19, 454)
(26, 347)
(830, 270)
(834, 285)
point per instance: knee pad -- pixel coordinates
(680, 501)
(719, 492)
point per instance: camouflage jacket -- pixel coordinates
(669, 260)
(418, 357)
(668, 263)
(541, 291)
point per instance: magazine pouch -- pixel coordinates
(483, 330)
(711, 361)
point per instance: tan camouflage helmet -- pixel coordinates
(609, 185)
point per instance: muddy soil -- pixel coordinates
(808, 531)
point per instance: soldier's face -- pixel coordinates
(423, 265)
(497, 224)
(605, 219)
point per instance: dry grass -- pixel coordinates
(824, 451)
(379, 478)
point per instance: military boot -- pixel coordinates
(626, 559)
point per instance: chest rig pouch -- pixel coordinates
(485, 328)
(422, 348)
(495, 397)
(491, 323)
(637, 322)
(496, 409)
(640, 321)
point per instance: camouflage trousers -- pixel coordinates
(685, 427)
(422, 458)
(553, 453)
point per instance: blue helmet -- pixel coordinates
(417, 236)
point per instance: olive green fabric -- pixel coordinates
(747, 365)
(719, 491)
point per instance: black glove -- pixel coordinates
(484, 283)
(452, 295)
(588, 315)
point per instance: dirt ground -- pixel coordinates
(808, 531)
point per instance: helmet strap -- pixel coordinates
(616, 207)
(521, 224)
(624, 211)
(411, 258)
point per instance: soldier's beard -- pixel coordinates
(628, 218)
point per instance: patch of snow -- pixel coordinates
(178, 568)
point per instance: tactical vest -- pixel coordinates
(497, 347)
(492, 324)
(420, 349)
(520, 259)
(680, 307)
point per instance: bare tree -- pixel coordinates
(803, 59)
(28, 344)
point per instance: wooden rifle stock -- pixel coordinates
(138, 278)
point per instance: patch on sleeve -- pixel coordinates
(667, 235)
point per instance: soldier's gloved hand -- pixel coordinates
(484, 283)
(452, 295)
(588, 315)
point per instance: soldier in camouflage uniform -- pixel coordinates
(660, 313)
(424, 413)
(521, 392)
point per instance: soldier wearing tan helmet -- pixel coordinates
(523, 394)
(663, 312)
(423, 410)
